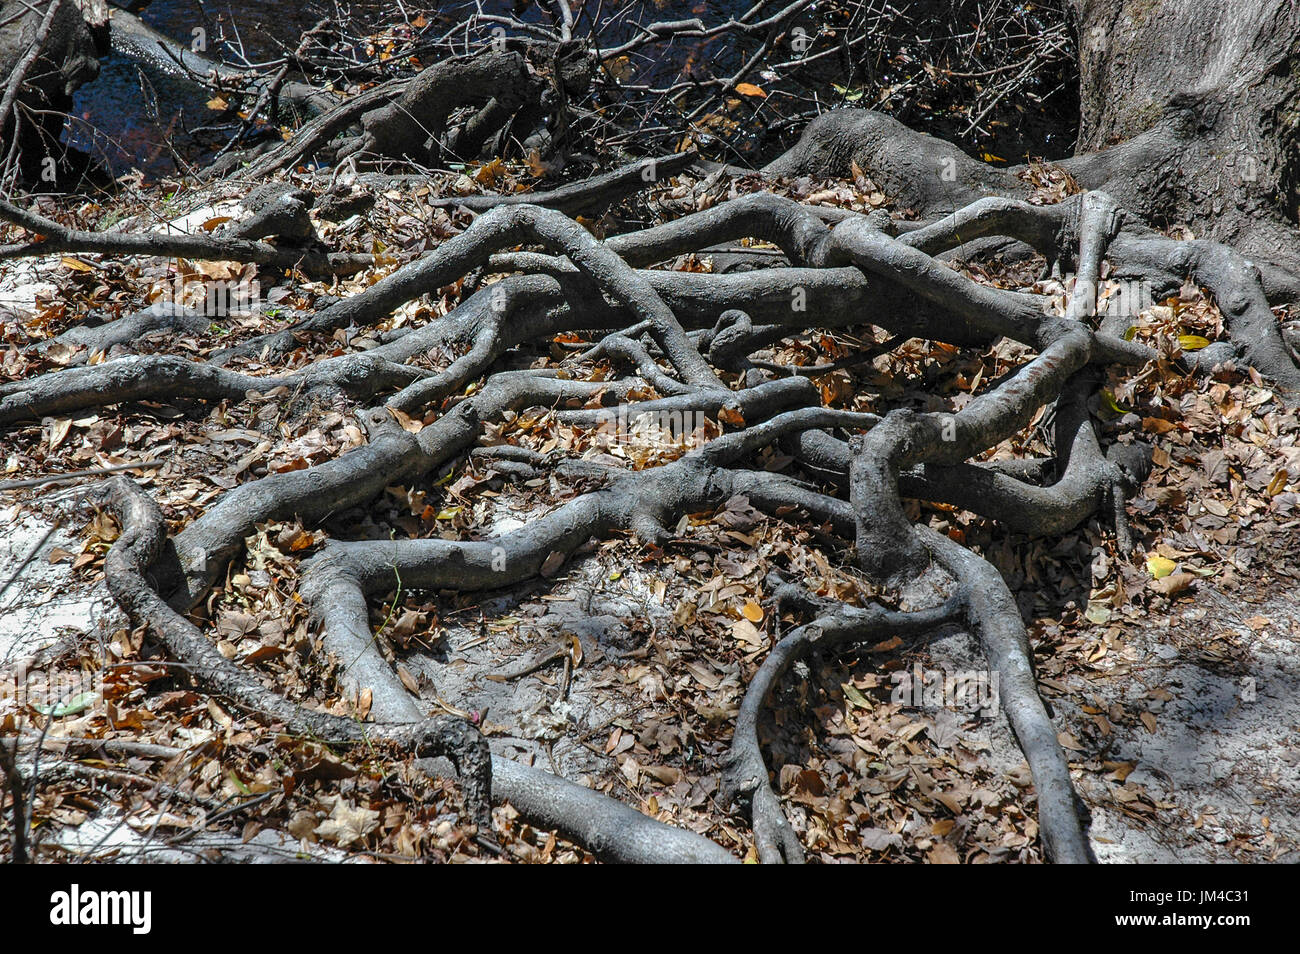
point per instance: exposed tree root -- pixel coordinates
(411, 125)
(162, 377)
(677, 330)
(992, 610)
(134, 38)
(54, 238)
(392, 455)
(163, 316)
(611, 830)
(746, 775)
(144, 542)
(971, 200)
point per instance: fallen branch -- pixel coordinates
(53, 239)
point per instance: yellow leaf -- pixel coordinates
(218, 103)
(1192, 342)
(212, 223)
(752, 611)
(1111, 403)
(1159, 566)
(989, 157)
(448, 513)
(76, 265)
(1278, 483)
(749, 89)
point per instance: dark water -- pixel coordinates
(134, 118)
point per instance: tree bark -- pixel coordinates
(1217, 85)
(48, 50)
(1190, 114)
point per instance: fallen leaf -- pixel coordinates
(943, 854)
(1120, 770)
(59, 432)
(1159, 567)
(348, 824)
(732, 416)
(879, 839)
(1174, 583)
(1097, 612)
(551, 565)
(1158, 425)
(856, 698)
(408, 680)
(409, 424)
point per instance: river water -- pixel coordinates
(134, 118)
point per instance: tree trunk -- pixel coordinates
(48, 50)
(1190, 114)
(1217, 86)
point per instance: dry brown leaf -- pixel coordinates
(551, 565)
(348, 824)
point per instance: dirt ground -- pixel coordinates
(1182, 724)
(1172, 673)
